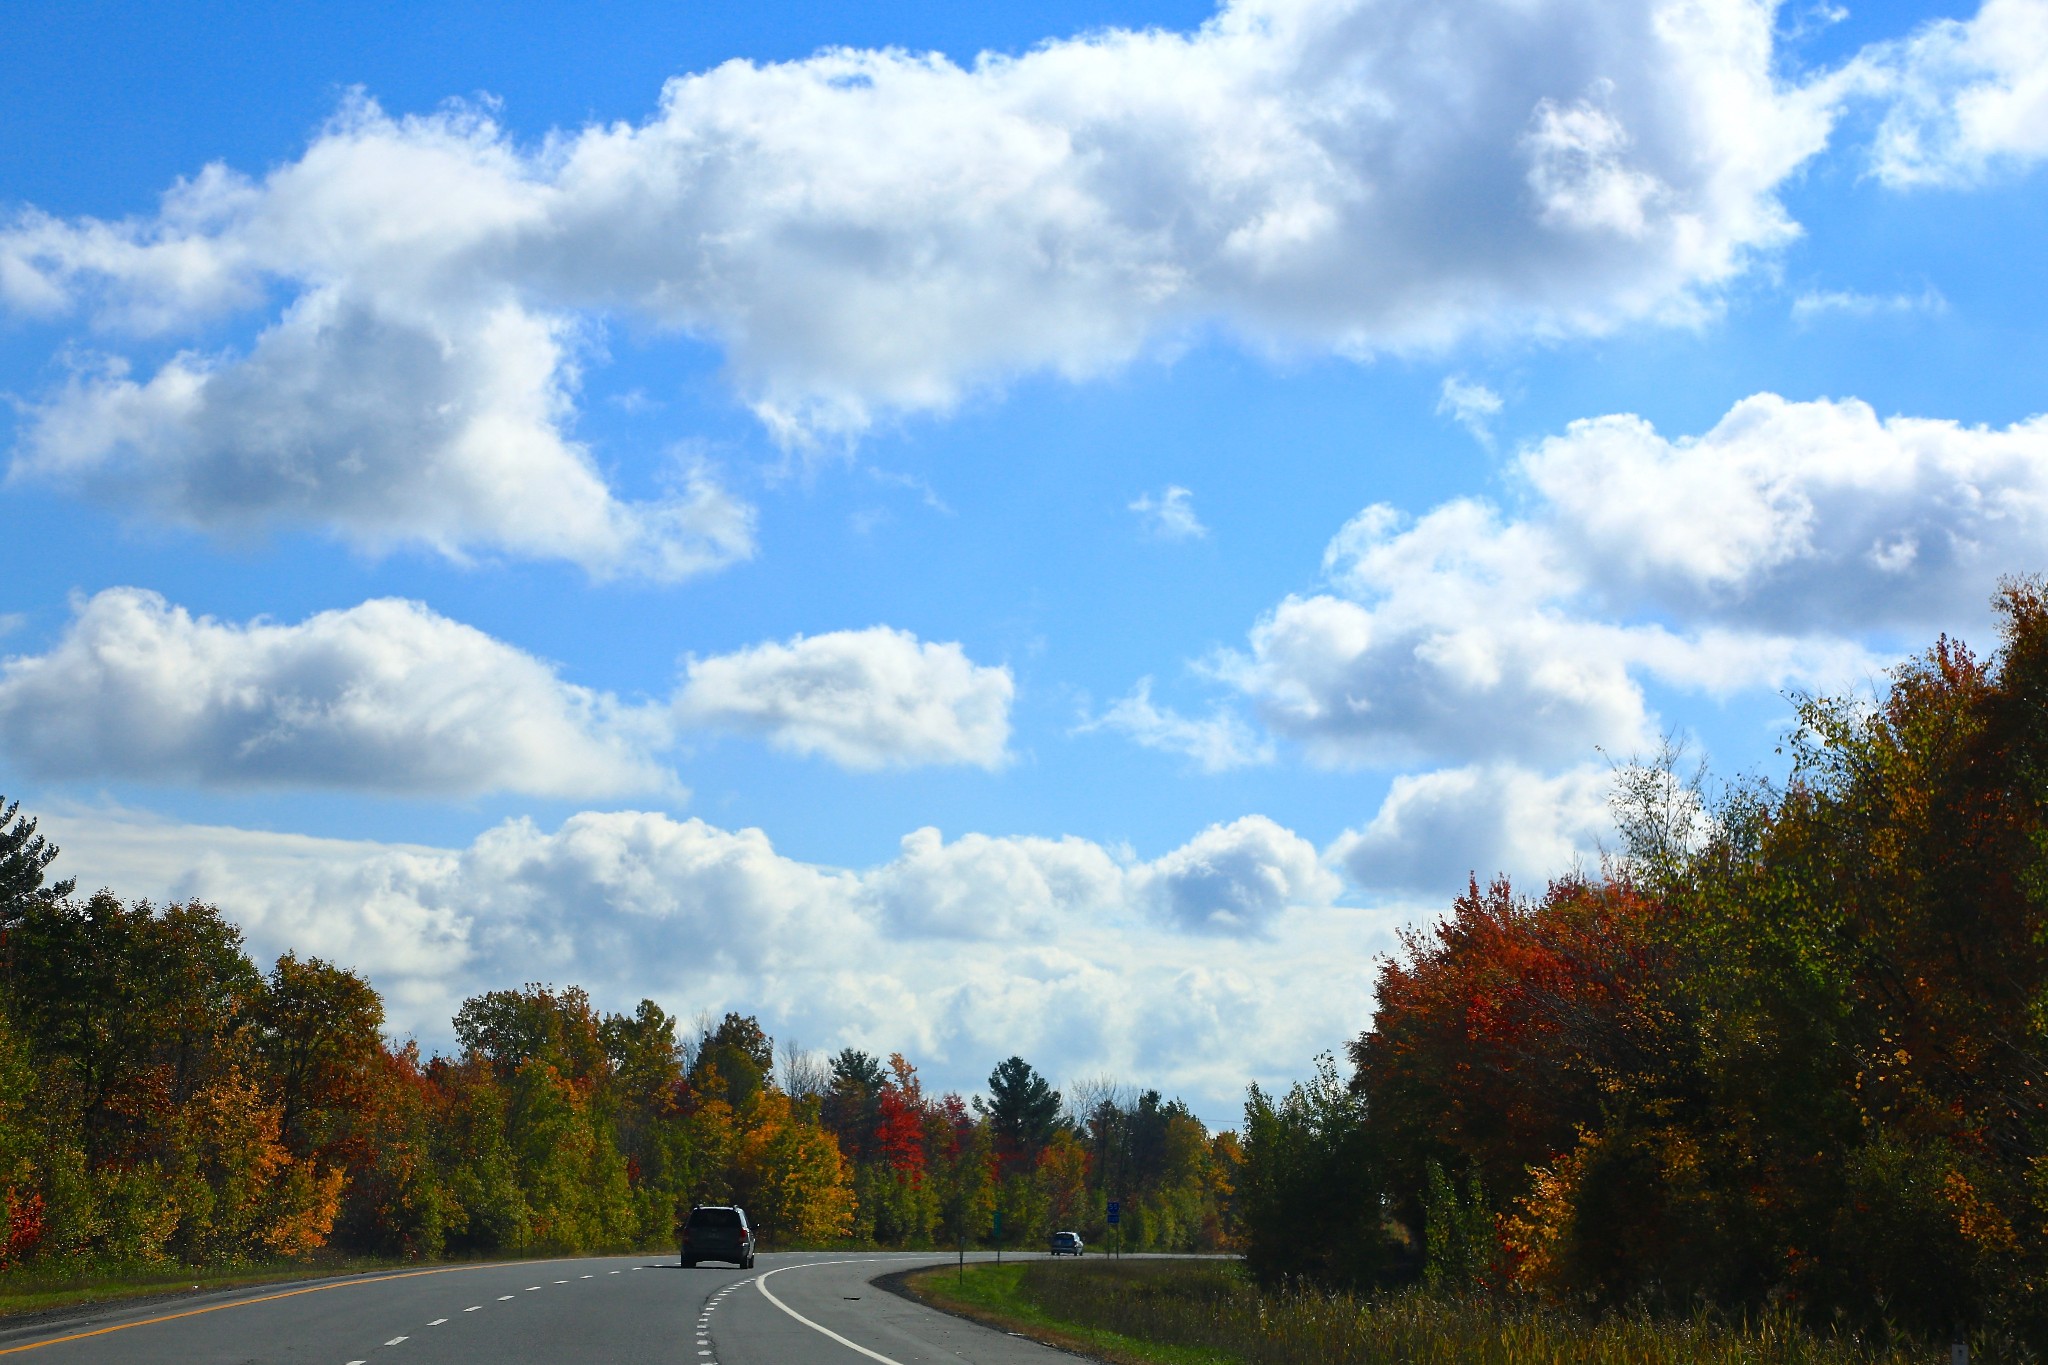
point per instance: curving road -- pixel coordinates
(794, 1308)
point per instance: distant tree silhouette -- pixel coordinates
(1023, 1111)
(24, 856)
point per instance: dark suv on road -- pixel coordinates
(718, 1232)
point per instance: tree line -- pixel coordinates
(1787, 1050)
(162, 1099)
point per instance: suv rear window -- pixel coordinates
(714, 1218)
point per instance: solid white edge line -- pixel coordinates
(761, 1283)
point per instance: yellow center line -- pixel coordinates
(244, 1303)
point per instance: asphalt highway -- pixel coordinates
(792, 1309)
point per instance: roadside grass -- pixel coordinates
(1209, 1312)
(998, 1296)
(77, 1285)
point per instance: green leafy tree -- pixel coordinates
(473, 1146)
(130, 1007)
(738, 1056)
(511, 1028)
(318, 1028)
(852, 1098)
(25, 856)
(1023, 1112)
(1310, 1191)
(647, 1095)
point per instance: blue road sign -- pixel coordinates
(1116, 1211)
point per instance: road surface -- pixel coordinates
(797, 1308)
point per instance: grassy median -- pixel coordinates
(1208, 1313)
(72, 1286)
(1005, 1296)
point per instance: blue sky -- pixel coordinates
(483, 514)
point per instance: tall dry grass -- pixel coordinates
(1212, 1305)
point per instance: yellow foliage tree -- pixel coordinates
(793, 1180)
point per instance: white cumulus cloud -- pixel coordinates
(389, 696)
(1236, 878)
(1814, 518)
(388, 426)
(1794, 543)
(1968, 97)
(1436, 829)
(983, 887)
(385, 696)
(1447, 644)
(875, 698)
(873, 232)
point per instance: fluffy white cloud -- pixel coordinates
(865, 232)
(1967, 97)
(389, 696)
(386, 696)
(1217, 744)
(438, 426)
(1235, 878)
(994, 888)
(1809, 518)
(874, 698)
(1170, 516)
(1084, 961)
(1791, 544)
(1437, 828)
(1451, 646)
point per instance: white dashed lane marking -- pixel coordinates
(507, 1298)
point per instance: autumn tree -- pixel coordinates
(740, 1054)
(646, 1060)
(317, 1028)
(132, 1007)
(510, 1028)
